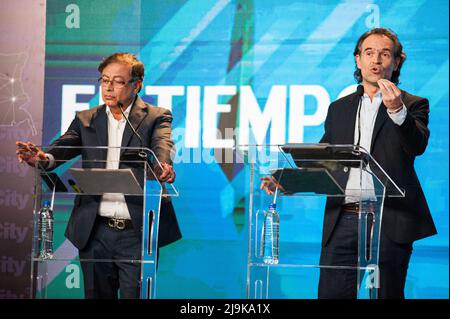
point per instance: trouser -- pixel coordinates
(111, 275)
(342, 249)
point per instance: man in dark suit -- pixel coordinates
(392, 126)
(110, 226)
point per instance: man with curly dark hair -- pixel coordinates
(393, 126)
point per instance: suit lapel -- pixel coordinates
(382, 116)
(137, 114)
(99, 123)
(350, 118)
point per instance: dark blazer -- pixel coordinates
(90, 128)
(395, 148)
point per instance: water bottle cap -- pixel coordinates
(272, 206)
(46, 203)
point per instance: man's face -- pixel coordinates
(120, 88)
(376, 60)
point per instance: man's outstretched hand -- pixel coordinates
(30, 153)
(270, 184)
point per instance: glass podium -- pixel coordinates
(300, 177)
(76, 182)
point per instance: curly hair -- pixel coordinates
(398, 52)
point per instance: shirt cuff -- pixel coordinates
(399, 117)
(51, 160)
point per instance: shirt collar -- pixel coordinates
(376, 95)
(126, 112)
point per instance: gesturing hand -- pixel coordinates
(29, 153)
(269, 184)
(392, 98)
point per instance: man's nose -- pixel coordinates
(377, 58)
(109, 86)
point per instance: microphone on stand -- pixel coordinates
(141, 153)
(359, 93)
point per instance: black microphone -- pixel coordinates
(141, 153)
(360, 93)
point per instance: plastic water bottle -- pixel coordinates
(46, 231)
(270, 236)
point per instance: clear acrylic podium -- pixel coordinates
(64, 186)
(303, 176)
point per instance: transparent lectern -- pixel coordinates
(300, 176)
(76, 181)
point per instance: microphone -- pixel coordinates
(141, 153)
(360, 93)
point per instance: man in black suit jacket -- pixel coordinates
(393, 127)
(92, 226)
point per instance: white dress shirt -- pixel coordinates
(113, 204)
(368, 114)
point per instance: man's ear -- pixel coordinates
(397, 63)
(137, 87)
(357, 60)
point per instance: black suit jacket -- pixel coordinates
(90, 128)
(395, 148)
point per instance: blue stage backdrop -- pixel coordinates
(269, 68)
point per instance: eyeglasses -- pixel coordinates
(116, 83)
